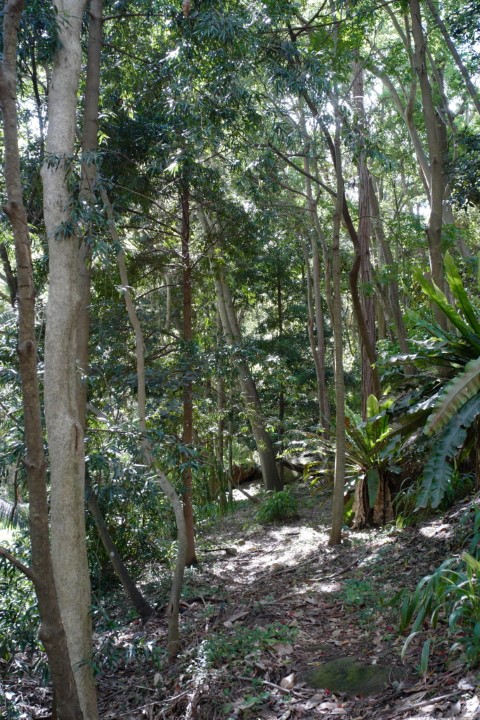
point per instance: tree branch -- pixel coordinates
(28, 572)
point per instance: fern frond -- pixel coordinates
(459, 391)
(438, 470)
(458, 291)
(434, 293)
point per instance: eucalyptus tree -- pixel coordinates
(71, 698)
(64, 428)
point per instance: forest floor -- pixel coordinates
(267, 607)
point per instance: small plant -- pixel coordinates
(278, 506)
(363, 596)
(450, 595)
(244, 641)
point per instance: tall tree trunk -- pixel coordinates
(353, 277)
(191, 558)
(52, 632)
(148, 457)
(281, 394)
(320, 348)
(362, 262)
(339, 481)
(437, 145)
(393, 292)
(88, 195)
(318, 358)
(220, 439)
(250, 396)
(64, 428)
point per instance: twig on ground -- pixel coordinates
(277, 687)
(423, 703)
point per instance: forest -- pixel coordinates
(240, 359)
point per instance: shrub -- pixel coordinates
(450, 595)
(278, 506)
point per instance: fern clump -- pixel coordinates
(278, 506)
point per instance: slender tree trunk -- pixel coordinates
(320, 347)
(453, 50)
(52, 632)
(339, 481)
(437, 144)
(362, 323)
(141, 605)
(220, 443)
(251, 400)
(318, 358)
(250, 397)
(88, 195)
(64, 428)
(393, 292)
(191, 558)
(362, 262)
(148, 457)
(281, 394)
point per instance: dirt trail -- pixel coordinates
(270, 604)
(267, 607)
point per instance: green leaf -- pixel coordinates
(373, 408)
(439, 298)
(407, 643)
(458, 291)
(373, 483)
(437, 473)
(425, 656)
(459, 391)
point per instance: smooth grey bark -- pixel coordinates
(64, 427)
(318, 354)
(172, 613)
(406, 112)
(52, 632)
(393, 292)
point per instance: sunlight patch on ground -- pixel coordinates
(254, 488)
(437, 529)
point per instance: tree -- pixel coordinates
(64, 427)
(52, 632)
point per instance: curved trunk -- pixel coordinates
(166, 486)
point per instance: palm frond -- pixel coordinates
(12, 516)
